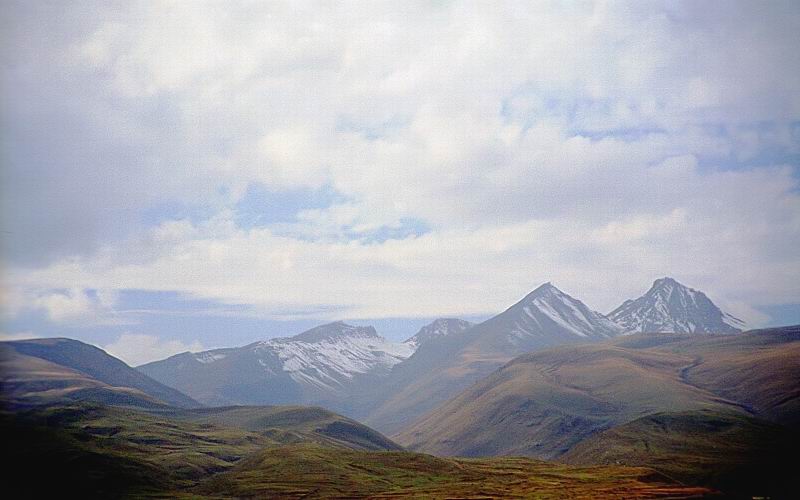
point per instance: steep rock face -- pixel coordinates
(670, 307)
(317, 366)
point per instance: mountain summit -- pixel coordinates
(336, 330)
(670, 307)
(315, 367)
(549, 313)
(437, 329)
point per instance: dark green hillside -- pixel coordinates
(730, 452)
(292, 424)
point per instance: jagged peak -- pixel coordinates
(672, 306)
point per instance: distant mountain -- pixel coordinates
(542, 404)
(545, 317)
(439, 328)
(320, 366)
(46, 370)
(671, 307)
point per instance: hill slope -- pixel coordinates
(53, 369)
(730, 452)
(544, 403)
(93, 451)
(303, 472)
(291, 424)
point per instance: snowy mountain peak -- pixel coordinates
(337, 329)
(545, 289)
(549, 311)
(669, 306)
(438, 328)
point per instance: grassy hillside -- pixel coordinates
(91, 451)
(544, 403)
(27, 379)
(42, 370)
(759, 369)
(310, 471)
(291, 424)
(730, 452)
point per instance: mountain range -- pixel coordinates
(665, 388)
(390, 384)
(72, 433)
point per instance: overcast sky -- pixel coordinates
(181, 175)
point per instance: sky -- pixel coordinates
(186, 175)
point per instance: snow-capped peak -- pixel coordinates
(669, 306)
(337, 329)
(549, 311)
(328, 355)
(438, 328)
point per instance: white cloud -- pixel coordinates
(74, 305)
(6, 336)
(137, 349)
(594, 145)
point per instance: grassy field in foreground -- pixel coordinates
(303, 471)
(100, 452)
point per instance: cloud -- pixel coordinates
(73, 305)
(6, 337)
(474, 150)
(137, 349)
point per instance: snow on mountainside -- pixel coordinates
(670, 307)
(320, 366)
(329, 354)
(439, 328)
(548, 311)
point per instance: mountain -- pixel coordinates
(671, 307)
(439, 370)
(546, 316)
(542, 404)
(323, 365)
(439, 328)
(43, 370)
